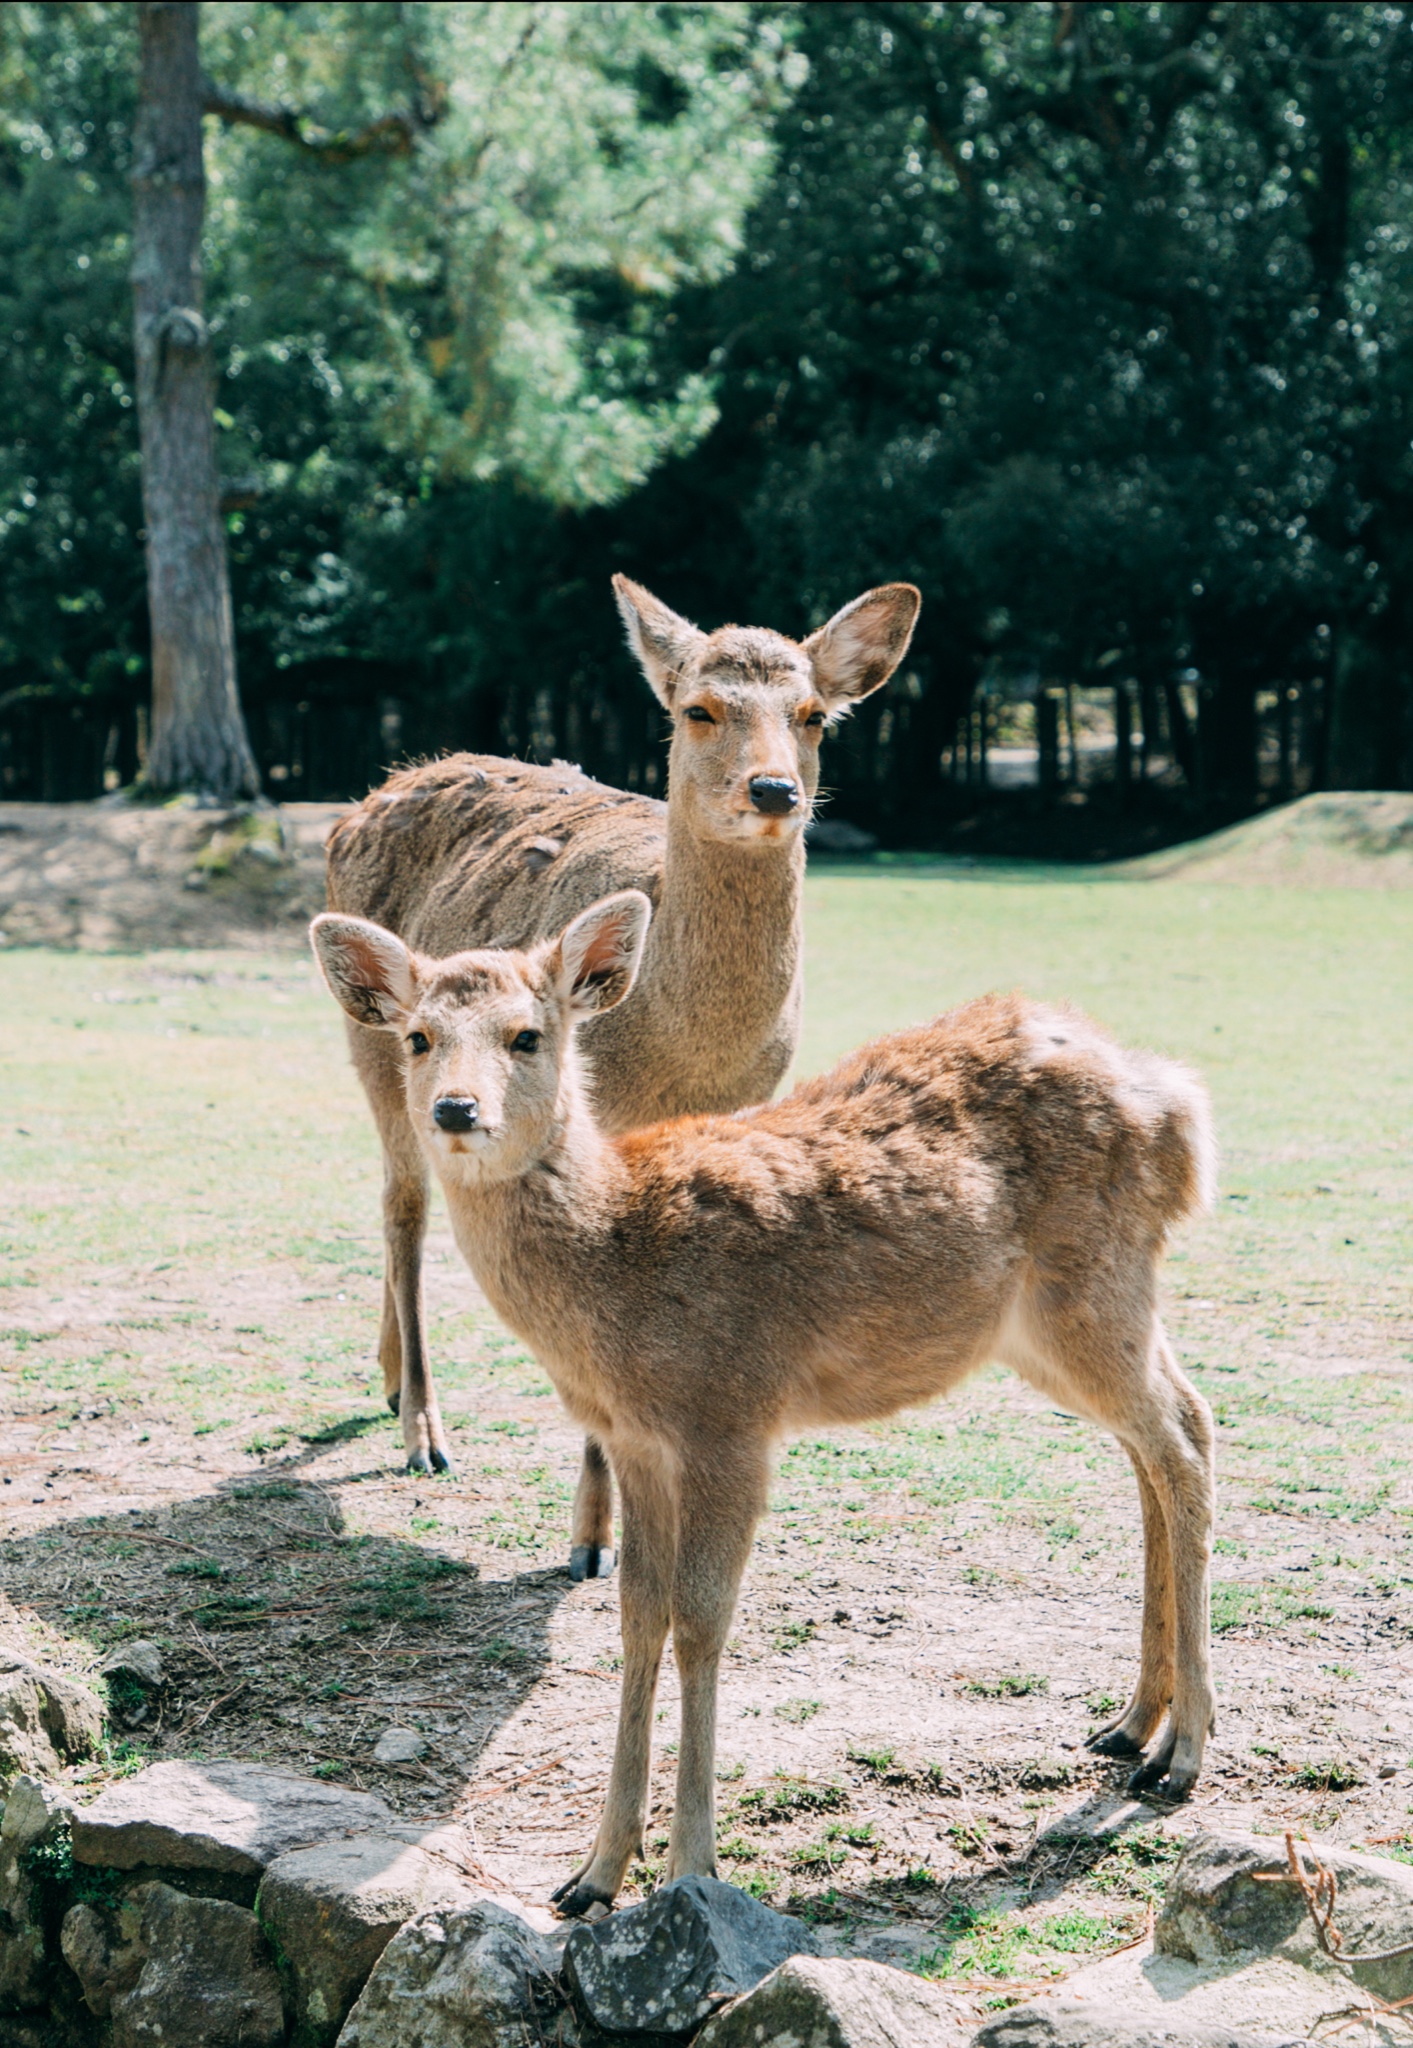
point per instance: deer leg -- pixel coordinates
(405, 1228)
(649, 1550)
(591, 1538)
(1131, 1732)
(407, 1380)
(1177, 1449)
(720, 1510)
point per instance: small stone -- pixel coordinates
(1218, 1906)
(811, 2002)
(140, 1661)
(399, 1746)
(1109, 2026)
(1388, 1770)
(663, 1967)
(470, 1977)
(232, 1818)
(46, 1720)
(330, 1911)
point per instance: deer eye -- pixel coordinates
(525, 1041)
(815, 718)
(699, 715)
(419, 1041)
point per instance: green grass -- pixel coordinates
(198, 1247)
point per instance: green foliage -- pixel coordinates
(196, 1568)
(50, 1861)
(785, 1797)
(1011, 1685)
(484, 297)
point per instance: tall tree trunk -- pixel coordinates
(198, 738)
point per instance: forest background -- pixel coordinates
(1094, 321)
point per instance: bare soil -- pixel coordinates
(113, 876)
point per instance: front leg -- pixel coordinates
(720, 1509)
(407, 1375)
(591, 1538)
(649, 1550)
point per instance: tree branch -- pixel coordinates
(390, 135)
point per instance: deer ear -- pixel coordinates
(862, 645)
(595, 959)
(662, 642)
(368, 970)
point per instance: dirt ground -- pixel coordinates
(937, 1611)
(113, 875)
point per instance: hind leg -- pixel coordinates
(591, 1532)
(1177, 1445)
(1105, 1354)
(1132, 1731)
(407, 1376)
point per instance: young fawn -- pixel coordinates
(997, 1184)
(470, 850)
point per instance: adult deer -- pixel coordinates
(997, 1184)
(475, 851)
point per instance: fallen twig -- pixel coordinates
(204, 1716)
(207, 1652)
(491, 1791)
(1320, 1894)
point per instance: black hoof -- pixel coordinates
(590, 1561)
(442, 1463)
(1113, 1742)
(395, 1401)
(573, 1900)
(418, 1465)
(1155, 1783)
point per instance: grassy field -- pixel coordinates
(195, 1450)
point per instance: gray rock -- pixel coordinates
(135, 1677)
(139, 1660)
(32, 1811)
(36, 1820)
(399, 1746)
(472, 1977)
(46, 1720)
(330, 1912)
(810, 2002)
(1110, 2026)
(188, 1973)
(233, 1818)
(104, 1951)
(664, 1967)
(1217, 1908)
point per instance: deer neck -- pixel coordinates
(723, 954)
(532, 1240)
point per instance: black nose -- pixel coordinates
(774, 794)
(456, 1112)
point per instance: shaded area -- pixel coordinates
(288, 1638)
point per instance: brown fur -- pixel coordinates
(997, 1184)
(476, 851)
